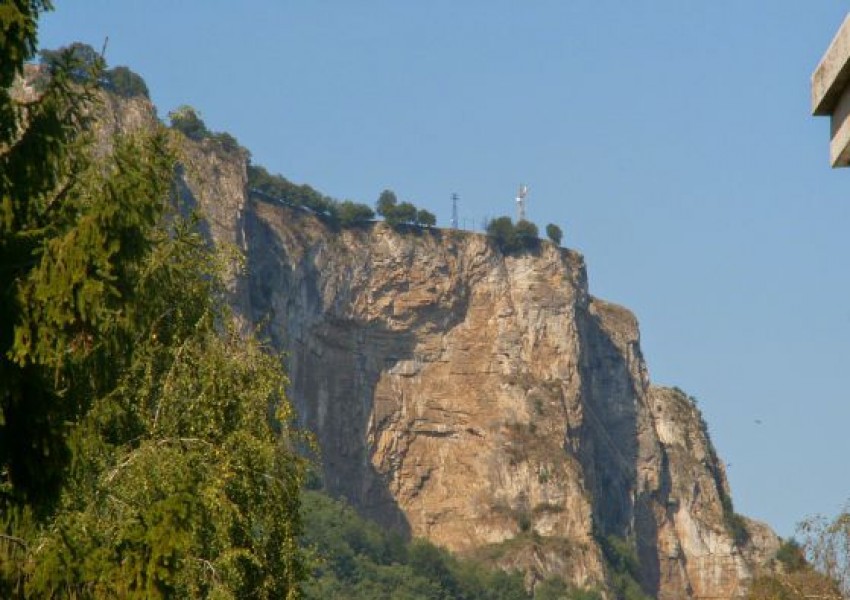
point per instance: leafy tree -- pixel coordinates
(526, 234)
(90, 67)
(425, 218)
(124, 82)
(179, 487)
(88, 64)
(511, 238)
(554, 233)
(386, 204)
(501, 231)
(405, 212)
(137, 457)
(791, 555)
(187, 121)
(51, 239)
(555, 589)
(280, 188)
(357, 559)
(353, 213)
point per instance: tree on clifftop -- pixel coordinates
(353, 213)
(512, 238)
(554, 233)
(425, 218)
(405, 212)
(188, 121)
(386, 203)
(88, 65)
(526, 234)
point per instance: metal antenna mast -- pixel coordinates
(520, 202)
(454, 211)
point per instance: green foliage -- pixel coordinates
(18, 24)
(526, 235)
(554, 233)
(352, 213)
(88, 65)
(501, 231)
(405, 212)
(426, 218)
(791, 555)
(397, 213)
(61, 255)
(176, 485)
(124, 82)
(179, 488)
(357, 559)
(510, 238)
(226, 142)
(345, 214)
(555, 589)
(735, 523)
(188, 121)
(624, 568)
(138, 457)
(387, 202)
(284, 190)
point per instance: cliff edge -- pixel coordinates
(486, 402)
(490, 404)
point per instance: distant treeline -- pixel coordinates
(345, 213)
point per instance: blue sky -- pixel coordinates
(672, 141)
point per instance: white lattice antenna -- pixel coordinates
(520, 202)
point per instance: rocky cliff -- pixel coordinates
(490, 404)
(486, 402)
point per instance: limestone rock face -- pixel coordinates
(490, 404)
(486, 402)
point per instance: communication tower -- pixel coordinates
(454, 211)
(520, 202)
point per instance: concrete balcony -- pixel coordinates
(831, 94)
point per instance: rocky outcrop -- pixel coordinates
(490, 404)
(486, 402)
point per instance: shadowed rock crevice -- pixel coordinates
(608, 437)
(334, 364)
